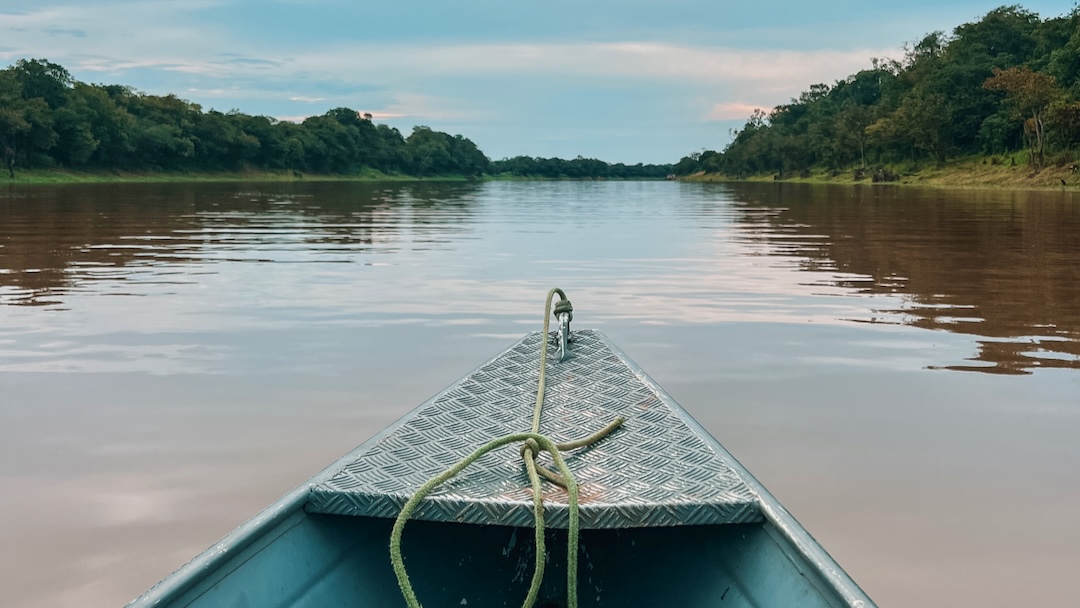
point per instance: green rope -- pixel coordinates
(539, 407)
(533, 444)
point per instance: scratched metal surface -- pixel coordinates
(654, 471)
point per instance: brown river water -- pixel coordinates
(900, 367)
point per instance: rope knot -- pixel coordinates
(530, 444)
(564, 306)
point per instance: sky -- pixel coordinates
(621, 80)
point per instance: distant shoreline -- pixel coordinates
(972, 172)
(31, 177)
(61, 177)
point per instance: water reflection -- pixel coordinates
(103, 239)
(1002, 266)
(997, 266)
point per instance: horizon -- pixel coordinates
(642, 84)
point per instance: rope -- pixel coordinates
(533, 444)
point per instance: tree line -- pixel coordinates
(1007, 82)
(50, 120)
(578, 168)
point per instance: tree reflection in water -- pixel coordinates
(1000, 265)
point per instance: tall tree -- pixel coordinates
(25, 123)
(1030, 95)
(44, 79)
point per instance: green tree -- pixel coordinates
(1064, 118)
(851, 124)
(44, 79)
(429, 150)
(1030, 95)
(1063, 62)
(73, 123)
(25, 123)
(1007, 35)
(110, 124)
(997, 133)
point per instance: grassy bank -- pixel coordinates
(60, 176)
(1011, 172)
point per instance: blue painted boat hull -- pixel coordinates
(315, 560)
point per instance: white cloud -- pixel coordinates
(171, 36)
(160, 33)
(424, 107)
(638, 60)
(404, 105)
(378, 115)
(728, 77)
(734, 111)
(414, 106)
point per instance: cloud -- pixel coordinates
(637, 60)
(307, 99)
(734, 111)
(108, 34)
(56, 31)
(417, 107)
(380, 115)
(174, 36)
(423, 107)
(730, 83)
(249, 61)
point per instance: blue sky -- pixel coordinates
(625, 81)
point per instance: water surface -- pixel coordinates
(898, 366)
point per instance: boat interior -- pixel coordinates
(317, 560)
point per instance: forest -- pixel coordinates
(49, 120)
(1004, 85)
(578, 168)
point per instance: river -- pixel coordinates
(900, 367)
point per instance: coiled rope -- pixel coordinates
(533, 444)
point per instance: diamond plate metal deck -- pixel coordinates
(657, 470)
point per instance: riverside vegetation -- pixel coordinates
(54, 129)
(997, 102)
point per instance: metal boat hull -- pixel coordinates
(670, 518)
(315, 560)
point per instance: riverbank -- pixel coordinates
(1011, 172)
(60, 176)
